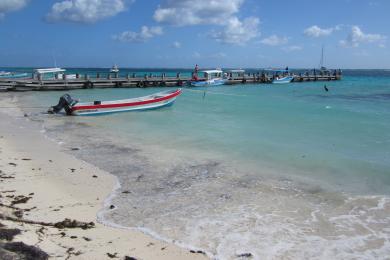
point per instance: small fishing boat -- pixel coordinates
(283, 80)
(154, 101)
(212, 78)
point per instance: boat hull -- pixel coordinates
(208, 83)
(155, 101)
(284, 80)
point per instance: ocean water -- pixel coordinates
(289, 172)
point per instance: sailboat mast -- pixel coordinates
(322, 57)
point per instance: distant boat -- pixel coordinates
(212, 78)
(12, 75)
(154, 101)
(114, 69)
(322, 67)
(283, 80)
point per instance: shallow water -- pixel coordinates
(276, 171)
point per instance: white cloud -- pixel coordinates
(212, 12)
(217, 56)
(292, 48)
(176, 45)
(238, 32)
(274, 40)
(189, 12)
(85, 11)
(144, 35)
(315, 31)
(356, 37)
(11, 5)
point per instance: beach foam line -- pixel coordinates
(213, 93)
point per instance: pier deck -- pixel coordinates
(132, 82)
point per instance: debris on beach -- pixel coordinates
(68, 223)
(197, 252)
(245, 255)
(19, 250)
(112, 255)
(20, 200)
(129, 258)
(9, 234)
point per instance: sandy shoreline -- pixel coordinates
(39, 182)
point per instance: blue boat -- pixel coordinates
(212, 78)
(283, 80)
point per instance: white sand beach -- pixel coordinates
(40, 182)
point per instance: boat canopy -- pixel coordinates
(49, 70)
(212, 71)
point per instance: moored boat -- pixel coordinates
(53, 73)
(154, 101)
(212, 78)
(12, 75)
(283, 80)
(114, 69)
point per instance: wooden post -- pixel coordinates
(77, 75)
(64, 76)
(98, 75)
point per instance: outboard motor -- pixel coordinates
(66, 102)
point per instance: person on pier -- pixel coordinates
(195, 74)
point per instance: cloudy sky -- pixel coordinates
(180, 33)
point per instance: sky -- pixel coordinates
(182, 33)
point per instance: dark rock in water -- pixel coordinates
(130, 258)
(8, 234)
(73, 237)
(72, 169)
(25, 115)
(74, 149)
(112, 207)
(19, 250)
(126, 192)
(245, 255)
(94, 176)
(26, 159)
(11, 163)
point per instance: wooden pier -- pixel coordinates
(133, 81)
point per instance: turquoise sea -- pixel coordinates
(288, 171)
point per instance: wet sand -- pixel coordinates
(41, 186)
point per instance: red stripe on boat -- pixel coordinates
(149, 101)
